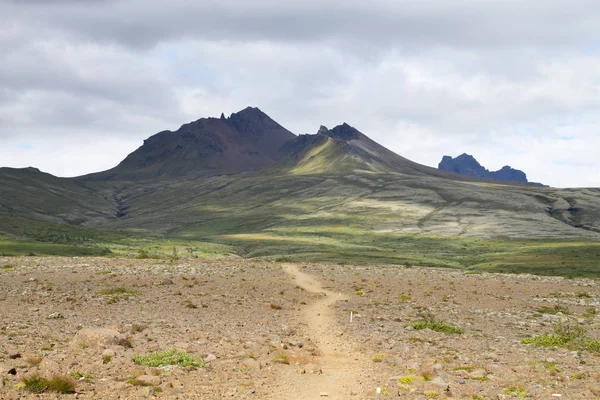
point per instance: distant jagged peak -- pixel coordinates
(466, 164)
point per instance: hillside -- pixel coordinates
(249, 184)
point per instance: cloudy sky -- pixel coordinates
(514, 82)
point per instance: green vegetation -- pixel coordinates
(437, 326)
(302, 215)
(35, 384)
(282, 359)
(167, 357)
(568, 336)
(78, 375)
(517, 391)
(137, 382)
(59, 384)
(378, 357)
(553, 310)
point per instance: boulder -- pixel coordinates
(97, 338)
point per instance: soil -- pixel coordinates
(272, 331)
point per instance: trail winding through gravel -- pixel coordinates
(342, 366)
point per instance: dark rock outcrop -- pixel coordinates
(466, 164)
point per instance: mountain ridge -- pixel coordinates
(201, 181)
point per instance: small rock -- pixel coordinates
(109, 353)
(251, 363)
(210, 357)
(439, 382)
(49, 368)
(275, 341)
(97, 337)
(182, 346)
(56, 315)
(479, 373)
(143, 392)
(324, 394)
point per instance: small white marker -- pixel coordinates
(351, 315)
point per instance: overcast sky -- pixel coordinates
(513, 82)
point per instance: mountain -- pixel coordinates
(466, 164)
(247, 140)
(248, 183)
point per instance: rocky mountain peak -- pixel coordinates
(466, 164)
(345, 132)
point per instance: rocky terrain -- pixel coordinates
(466, 164)
(267, 330)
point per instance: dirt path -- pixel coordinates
(343, 367)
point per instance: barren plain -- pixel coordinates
(269, 330)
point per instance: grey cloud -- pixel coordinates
(472, 23)
(423, 78)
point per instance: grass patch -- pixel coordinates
(80, 376)
(378, 357)
(437, 326)
(558, 308)
(407, 379)
(517, 391)
(282, 359)
(567, 336)
(167, 357)
(59, 384)
(137, 382)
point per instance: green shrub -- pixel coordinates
(568, 336)
(167, 357)
(35, 384)
(59, 384)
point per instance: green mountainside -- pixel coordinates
(245, 185)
